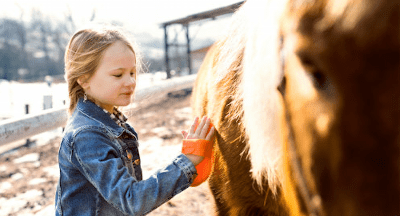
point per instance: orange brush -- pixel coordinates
(201, 148)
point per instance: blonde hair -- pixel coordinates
(84, 53)
(253, 38)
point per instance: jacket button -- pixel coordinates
(129, 155)
(137, 162)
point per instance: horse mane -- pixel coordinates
(251, 52)
(262, 76)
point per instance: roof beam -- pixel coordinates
(211, 14)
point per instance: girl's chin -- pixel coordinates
(124, 103)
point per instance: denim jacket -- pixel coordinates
(100, 171)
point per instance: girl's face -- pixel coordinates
(114, 82)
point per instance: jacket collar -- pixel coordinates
(95, 112)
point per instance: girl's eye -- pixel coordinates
(118, 75)
(132, 74)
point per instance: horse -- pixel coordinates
(305, 99)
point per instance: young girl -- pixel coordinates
(100, 172)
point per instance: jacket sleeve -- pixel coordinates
(98, 161)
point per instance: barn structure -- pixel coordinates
(185, 22)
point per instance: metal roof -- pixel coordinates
(205, 15)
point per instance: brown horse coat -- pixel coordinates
(231, 175)
(305, 97)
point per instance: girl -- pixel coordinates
(99, 162)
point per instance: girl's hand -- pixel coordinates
(199, 131)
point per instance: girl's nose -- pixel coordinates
(130, 81)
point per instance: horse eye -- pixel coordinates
(319, 79)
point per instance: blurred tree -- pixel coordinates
(5, 63)
(11, 45)
(70, 26)
(21, 33)
(40, 30)
(60, 40)
(154, 64)
(30, 50)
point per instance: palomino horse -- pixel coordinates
(305, 97)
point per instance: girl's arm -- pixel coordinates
(105, 170)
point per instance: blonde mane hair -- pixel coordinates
(84, 53)
(257, 45)
(263, 74)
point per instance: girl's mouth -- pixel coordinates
(127, 93)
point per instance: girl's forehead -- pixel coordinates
(119, 55)
(118, 48)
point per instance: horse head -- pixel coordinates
(321, 101)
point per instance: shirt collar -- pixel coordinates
(117, 116)
(94, 111)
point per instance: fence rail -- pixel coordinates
(15, 129)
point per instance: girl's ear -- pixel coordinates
(83, 81)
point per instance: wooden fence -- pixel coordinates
(15, 129)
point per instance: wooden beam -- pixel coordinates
(166, 45)
(189, 58)
(211, 14)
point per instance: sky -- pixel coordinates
(138, 16)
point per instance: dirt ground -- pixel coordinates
(28, 176)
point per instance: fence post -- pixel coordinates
(28, 141)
